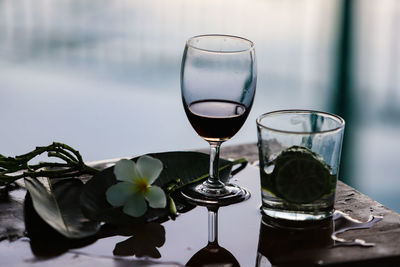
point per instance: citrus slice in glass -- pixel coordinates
(301, 176)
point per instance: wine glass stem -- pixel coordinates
(213, 180)
(212, 225)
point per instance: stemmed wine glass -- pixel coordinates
(218, 83)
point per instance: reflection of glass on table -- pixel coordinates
(213, 254)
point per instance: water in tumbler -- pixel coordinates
(297, 184)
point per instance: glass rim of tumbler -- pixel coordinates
(250, 46)
(334, 117)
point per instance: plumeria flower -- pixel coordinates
(136, 186)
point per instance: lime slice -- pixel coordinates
(301, 176)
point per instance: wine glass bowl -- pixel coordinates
(218, 83)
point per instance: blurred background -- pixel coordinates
(103, 76)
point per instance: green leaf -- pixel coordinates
(44, 240)
(180, 169)
(57, 205)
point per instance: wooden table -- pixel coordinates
(245, 239)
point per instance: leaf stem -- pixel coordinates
(14, 168)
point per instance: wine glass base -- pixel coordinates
(231, 194)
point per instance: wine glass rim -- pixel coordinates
(336, 118)
(250, 47)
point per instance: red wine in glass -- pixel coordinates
(216, 120)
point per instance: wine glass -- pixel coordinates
(218, 83)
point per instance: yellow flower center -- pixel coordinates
(142, 186)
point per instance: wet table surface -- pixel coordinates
(242, 237)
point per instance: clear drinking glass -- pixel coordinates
(218, 83)
(299, 153)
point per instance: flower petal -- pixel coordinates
(135, 205)
(156, 197)
(149, 168)
(125, 170)
(118, 194)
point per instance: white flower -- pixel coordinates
(136, 186)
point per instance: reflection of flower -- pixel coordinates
(144, 242)
(135, 186)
